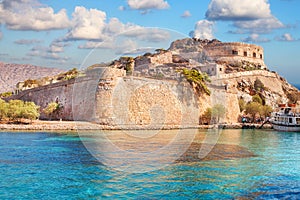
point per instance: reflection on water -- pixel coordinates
(245, 164)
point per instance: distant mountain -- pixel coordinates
(11, 74)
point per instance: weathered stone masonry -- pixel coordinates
(110, 98)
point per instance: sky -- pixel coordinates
(78, 33)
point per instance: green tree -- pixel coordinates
(258, 85)
(30, 111)
(3, 109)
(257, 98)
(15, 108)
(265, 111)
(253, 109)
(218, 111)
(18, 109)
(242, 104)
(199, 79)
(53, 109)
(206, 116)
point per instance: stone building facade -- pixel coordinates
(235, 51)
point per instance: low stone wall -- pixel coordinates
(246, 74)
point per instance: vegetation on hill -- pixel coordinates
(198, 79)
(5, 94)
(71, 74)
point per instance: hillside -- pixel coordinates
(11, 74)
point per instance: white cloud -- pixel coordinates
(286, 37)
(247, 15)
(57, 47)
(147, 4)
(263, 25)
(122, 8)
(147, 34)
(255, 38)
(186, 14)
(123, 35)
(46, 53)
(27, 42)
(31, 15)
(125, 47)
(106, 44)
(91, 25)
(238, 10)
(203, 30)
(115, 26)
(87, 24)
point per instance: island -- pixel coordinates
(193, 83)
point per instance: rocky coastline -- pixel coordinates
(40, 125)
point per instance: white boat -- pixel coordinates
(286, 119)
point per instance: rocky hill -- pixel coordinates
(11, 74)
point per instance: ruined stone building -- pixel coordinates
(210, 56)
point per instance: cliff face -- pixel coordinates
(240, 85)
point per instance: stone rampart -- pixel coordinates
(235, 51)
(133, 102)
(245, 74)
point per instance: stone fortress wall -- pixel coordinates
(109, 97)
(235, 51)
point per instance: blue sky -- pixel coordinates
(77, 33)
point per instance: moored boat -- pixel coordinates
(286, 119)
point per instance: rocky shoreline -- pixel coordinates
(80, 125)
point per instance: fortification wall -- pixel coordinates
(133, 102)
(235, 51)
(76, 96)
(61, 93)
(148, 62)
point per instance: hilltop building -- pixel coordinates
(210, 56)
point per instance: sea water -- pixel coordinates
(43, 165)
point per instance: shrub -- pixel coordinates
(242, 104)
(218, 111)
(257, 98)
(258, 85)
(18, 109)
(3, 109)
(6, 94)
(206, 117)
(253, 109)
(195, 77)
(265, 111)
(213, 115)
(53, 109)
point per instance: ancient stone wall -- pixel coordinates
(235, 51)
(144, 63)
(76, 96)
(133, 102)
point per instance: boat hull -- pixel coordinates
(286, 128)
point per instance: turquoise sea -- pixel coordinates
(43, 165)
